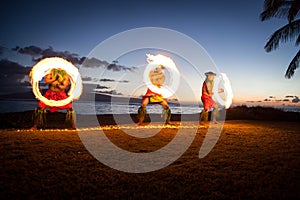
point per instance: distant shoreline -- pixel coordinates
(105, 107)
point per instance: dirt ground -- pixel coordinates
(252, 160)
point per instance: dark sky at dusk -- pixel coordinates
(230, 31)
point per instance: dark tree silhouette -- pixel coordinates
(288, 9)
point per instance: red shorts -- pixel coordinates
(208, 102)
(51, 95)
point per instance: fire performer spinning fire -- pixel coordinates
(208, 102)
(61, 76)
(58, 81)
(157, 78)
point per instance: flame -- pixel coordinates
(44, 67)
(167, 62)
(227, 90)
(120, 127)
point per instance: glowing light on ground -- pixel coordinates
(118, 127)
(168, 63)
(44, 67)
(224, 81)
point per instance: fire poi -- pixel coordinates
(59, 74)
(225, 101)
(157, 92)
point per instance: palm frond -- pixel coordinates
(298, 40)
(271, 8)
(294, 10)
(280, 13)
(284, 34)
(294, 64)
(280, 9)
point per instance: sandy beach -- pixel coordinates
(252, 160)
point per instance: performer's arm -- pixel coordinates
(209, 89)
(152, 79)
(163, 79)
(160, 79)
(48, 79)
(63, 84)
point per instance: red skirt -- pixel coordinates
(208, 102)
(150, 93)
(153, 97)
(57, 96)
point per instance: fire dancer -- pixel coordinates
(208, 102)
(157, 78)
(58, 81)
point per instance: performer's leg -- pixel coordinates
(145, 102)
(39, 118)
(166, 111)
(164, 104)
(214, 113)
(142, 111)
(203, 116)
(71, 117)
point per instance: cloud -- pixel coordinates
(38, 53)
(107, 80)
(13, 76)
(94, 62)
(296, 100)
(10, 70)
(102, 87)
(112, 92)
(289, 96)
(2, 49)
(30, 50)
(124, 81)
(96, 80)
(86, 78)
(26, 81)
(116, 67)
(112, 80)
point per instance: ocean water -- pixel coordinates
(121, 108)
(87, 108)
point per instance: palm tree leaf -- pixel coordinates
(284, 34)
(293, 66)
(280, 13)
(298, 40)
(273, 8)
(280, 9)
(293, 11)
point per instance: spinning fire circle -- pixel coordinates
(225, 101)
(168, 63)
(43, 67)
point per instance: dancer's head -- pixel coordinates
(210, 75)
(158, 68)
